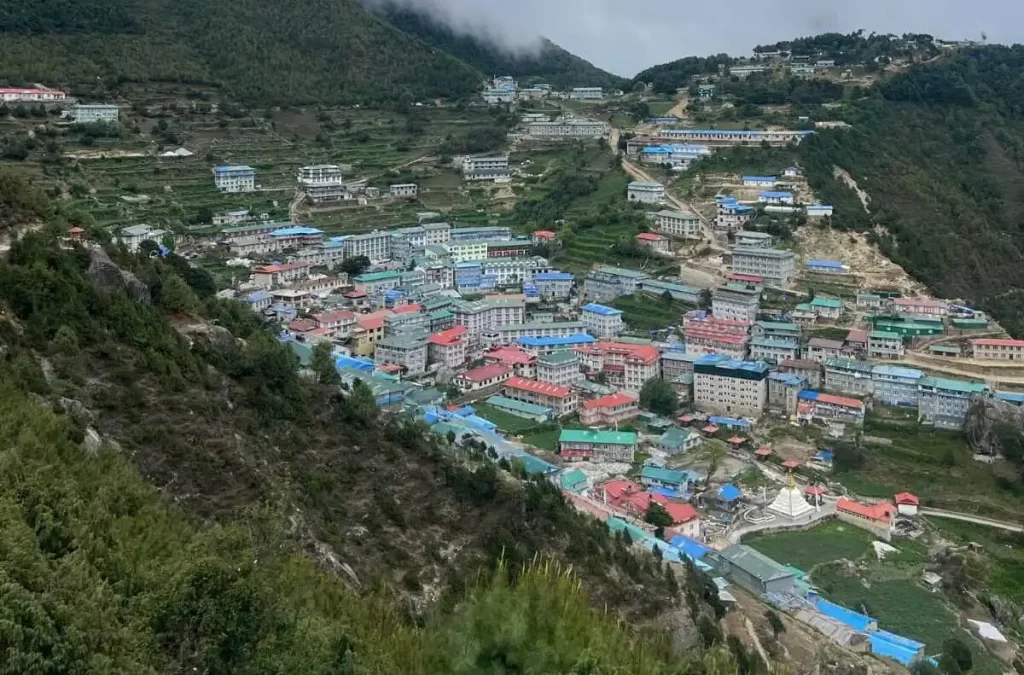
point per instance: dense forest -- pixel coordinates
(324, 51)
(939, 150)
(178, 497)
(668, 77)
(550, 63)
(856, 47)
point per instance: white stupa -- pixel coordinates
(790, 501)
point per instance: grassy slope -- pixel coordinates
(805, 550)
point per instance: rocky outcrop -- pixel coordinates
(991, 424)
(109, 277)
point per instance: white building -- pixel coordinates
(374, 245)
(885, 345)
(678, 224)
(776, 197)
(485, 168)
(322, 183)
(602, 321)
(462, 251)
(408, 352)
(728, 387)
(561, 368)
(586, 94)
(735, 302)
(775, 266)
(754, 239)
(98, 112)
(37, 95)
(132, 236)
(438, 234)
(235, 178)
(404, 191)
(645, 192)
(608, 283)
(569, 129)
(487, 315)
(730, 215)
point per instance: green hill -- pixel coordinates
(939, 149)
(551, 64)
(668, 77)
(329, 51)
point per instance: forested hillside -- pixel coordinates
(668, 77)
(326, 51)
(550, 64)
(939, 150)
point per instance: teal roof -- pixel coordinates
(754, 563)
(559, 358)
(884, 335)
(672, 438)
(774, 342)
(664, 475)
(961, 386)
(570, 480)
(377, 276)
(778, 326)
(597, 437)
(621, 272)
(518, 406)
(827, 302)
(848, 364)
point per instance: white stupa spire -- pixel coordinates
(790, 501)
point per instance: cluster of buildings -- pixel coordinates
(505, 90)
(79, 113)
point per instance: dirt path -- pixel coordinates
(968, 518)
(844, 175)
(679, 109)
(757, 643)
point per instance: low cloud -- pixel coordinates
(625, 36)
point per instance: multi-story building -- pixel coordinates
(405, 351)
(845, 376)
(375, 283)
(776, 197)
(609, 410)
(784, 390)
(678, 156)
(606, 446)
(774, 350)
(235, 178)
(707, 334)
(322, 183)
(896, 386)
(368, 332)
(659, 287)
(522, 363)
(730, 215)
(36, 95)
(808, 370)
(734, 301)
(678, 224)
(775, 329)
(484, 234)
(726, 137)
(884, 344)
(623, 365)
(134, 235)
(754, 239)
(645, 192)
(821, 350)
(655, 242)
(483, 377)
(485, 168)
(569, 129)
(275, 276)
(374, 245)
(918, 306)
(814, 405)
(553, 285)
(447, 347)
(827, 308)
(608, 283)
(97, 112)
(404, 191)
(438, 234)
(676, 362)
(944, 403)
(511, 334)
(337, 324)
(994, 349)
(510, 248)
(563, 400)
(760, 181)
(729, 387)
(601, 321)
(561, 368)
(586, 94)
(775, 266)
(462, 251)
(487, 315)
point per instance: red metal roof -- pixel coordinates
(710, 429)
(337, 315)
(618, 488)
(839, 400)
(410, 308)
(511, 356)
(815, 490)
(650, 236)
(535, 387)
(486, 372)
(681, 513)
(755, 278)
(881, 512)
(355, 294)
(76, 230)
(908, 498)
(736, 440)
(763, 451)
(791, 463)
(918, 302)
(857, 335)
(302, 325)
(447, 337)
(998, 342)
(271, 269)
(610, 401)
(544, 234)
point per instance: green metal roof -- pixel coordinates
(621, 272)
(663, 475)
(571, 479)
(377, 276)
(597, 437)
(518, 406)
(780, 326)
(961, 386)
(884, 335)
(441, 314)
(754, 563)
(827, 302)
(559, 358)
(674, 437)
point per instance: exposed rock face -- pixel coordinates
(92, 441)
(108, 276)
(988, 422)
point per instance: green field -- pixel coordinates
(646, 312)
(936, 466)
(545, 440)
(506, 422)
(806, 549)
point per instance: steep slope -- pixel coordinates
(261, 52)
(668, 77)
(939, 148)
(550, 64)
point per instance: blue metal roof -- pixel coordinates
(295, 231)
(553, 276)
(760, 179)
(828, 264)
(578, 339)
(601, 309)
(729, 422)
(342, 361)
(897, 371)
(257, 296)
(854, 620)
(729, 493)
(691, 548)
(1010, 397)
(769, 194)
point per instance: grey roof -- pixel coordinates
(754, 563)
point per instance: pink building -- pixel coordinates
(609, 410)
(482, 377)
(448, 347)
(998, 349)
(624, 365)
(522, 363)
(921, 306)
(339, 323)
(707, 334)
(655, 242)
(562, 400)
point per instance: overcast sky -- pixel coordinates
(626, 36)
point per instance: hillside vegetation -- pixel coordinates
(550, 63)
(326, 51)
(939, 150)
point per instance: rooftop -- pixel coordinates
(488, 372)
(512, 404)
(609, 401)
(811, 395)
(849, 364)
(997, 342)
(509, 356)
(603, 310)
(620, 272)
(371, 277)
(754, 563)
(559, 358)
(535, 387)
(960, 386)
(887, 335)
(597, 437)
(897, 371)
(823, 343)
